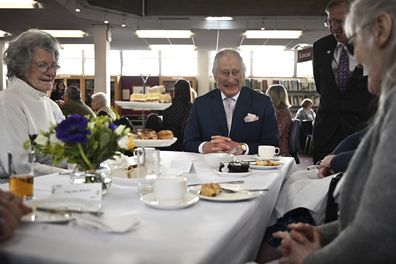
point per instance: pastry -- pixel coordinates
(138, 97)
(152, 97)
(165, 98)
(165, 134)
(149, 134)
(210, 189)
(238, 166)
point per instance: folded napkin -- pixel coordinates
(106, 223)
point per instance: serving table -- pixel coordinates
(207, 232)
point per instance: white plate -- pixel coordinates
(67, 204)
(233, 174)
(154, 142)
(46, 217)
(233, 197)
(143, 105)
(151, 201)
(257, 167)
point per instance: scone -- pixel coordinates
(149, 134)
(210, 189)
(165, 134)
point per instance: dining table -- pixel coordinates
(208, 231)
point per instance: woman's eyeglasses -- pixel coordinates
(43, 67)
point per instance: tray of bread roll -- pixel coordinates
(143, 105)
(150, 138)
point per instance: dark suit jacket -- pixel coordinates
(208, 118)
(339, 114)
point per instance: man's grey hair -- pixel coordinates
(101, 98)
(226, 52)
(18, 55)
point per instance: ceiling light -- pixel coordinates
(273, 34)
(19, 4)
(3, 33)
(262, 47)
(106, 21)
(223, 18)
(172, 47)
(164, 33)
(66, 33)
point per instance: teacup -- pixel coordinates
(268, 152)
(170, 188)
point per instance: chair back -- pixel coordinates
(293, 138)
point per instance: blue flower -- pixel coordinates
(112, 126)
(73, 130)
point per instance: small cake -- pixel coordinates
(165, 98)
(153, 97)
(238, 166)
(210, 189)
(165, 134)
(138, 97)
(149, 134)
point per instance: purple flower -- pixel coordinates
(73, 129)
(112, 126)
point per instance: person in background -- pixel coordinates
(175, 117)
(306, 112)
(11, 211)
(58, 92)
(99, 106)
(342, 85)
(154, 122)
(214, 125)
(280, 100)
(25, 109)
(365, 231)
(73, 103)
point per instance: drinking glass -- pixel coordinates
(148, 160)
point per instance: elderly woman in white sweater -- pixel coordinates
(366, 230)
(25, 108)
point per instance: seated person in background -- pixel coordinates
(154, 122)
(25, 109)
(365, 230)
(214, 125)
(99, 106)
(306, 112)
(11, 211)
(280, 100)
(175, 117)
(57, 93)
(73, 103)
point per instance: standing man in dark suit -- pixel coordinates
(341, 83)
(232, 115)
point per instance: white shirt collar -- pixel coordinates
(235, 97)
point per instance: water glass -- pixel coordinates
(148, 160)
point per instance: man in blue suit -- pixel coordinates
(232, 115)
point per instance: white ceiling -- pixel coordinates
(60, 14)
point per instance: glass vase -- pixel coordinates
(101, 175)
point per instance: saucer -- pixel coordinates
(152, 201)
(233, 174)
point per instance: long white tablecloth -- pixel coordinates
(208, 232)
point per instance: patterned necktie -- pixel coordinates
(343, 70)
(229, 105)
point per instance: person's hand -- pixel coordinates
(302, 241)
(11, 211)
(60, 102)
(324, 167)
(217, 144)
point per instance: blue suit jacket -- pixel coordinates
(208, 118)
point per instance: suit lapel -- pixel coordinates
(240, 111)
(218, 111)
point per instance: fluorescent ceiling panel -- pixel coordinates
(18, 4)
(66, 33)
(3, 33)
(172, 47)
(261, 47)
(164, 33)
(273, 34)
(223, 18)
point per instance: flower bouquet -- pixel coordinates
(84, 142)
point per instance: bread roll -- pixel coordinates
(210, 189)
(165, 134)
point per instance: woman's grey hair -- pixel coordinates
(18, 55)
(226, 52)
(362, 15)
(101, 98)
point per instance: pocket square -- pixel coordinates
(250, 118)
